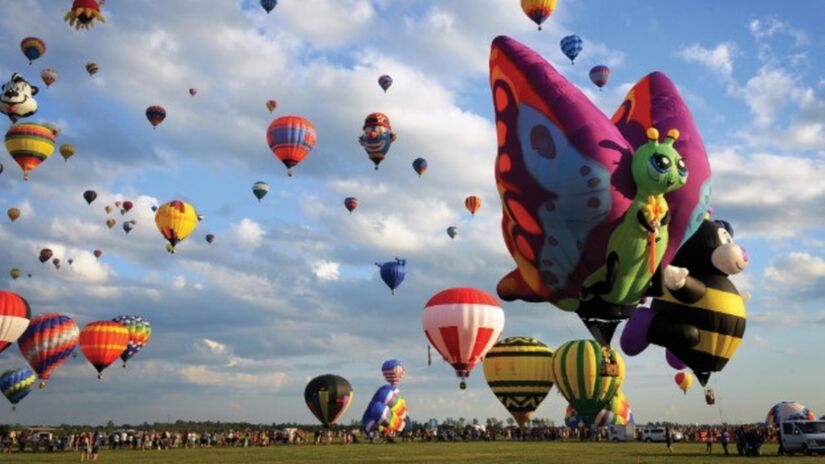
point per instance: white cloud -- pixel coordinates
(206, 376)
(213, 346)
(766, 94)
(718, 59)
(247, 233)
(326, 270)
(797, 271)
(179, 282)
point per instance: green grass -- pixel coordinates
(503, 452)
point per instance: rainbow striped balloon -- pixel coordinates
(102, 342)
(33, 48)
(139, 333)
(30, 144)
(48, 342)
(291, 138)
(16, 384)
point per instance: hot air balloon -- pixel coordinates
(193, 91)
(269, 5)
(108, 209)
(393, 371)
(128, 226)
(30, 144)
(45, 255)
(291, 138)
(14, 316)
(419, 165)
(684, 380)
(84, 13)
(260, 189)
(571, 419)
(155, 114)
(350, 203)
(538, 10)
(393, 272)
(49, 76)
(15, 273)
(377, 137)
(452, 231)
(617, 412)
(67, 151)
(16, 384)
(582, 375)
(110, 223)
(271, 105)
(33, 48)
(13, 214)
(463, 324)
(328, 397)
(599, 75)
(473, 204)
(17, 98)
(386, 413)
(97, 254)
(571, 46)
(175, 221)
(48, 342)
(102, 342)
(140, 331)
(92, 68)
(565, 175)
(210, 238)
(71, 261)
(385, 82)
(89, 196)
(787, 411)
(519, 371)
(126, 207)
(118, 204)
(56, 263)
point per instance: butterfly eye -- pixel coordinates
(682, 167)
(659, 165)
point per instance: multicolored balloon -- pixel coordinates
(571, 46)
(33, 48)
(617, 412)
(386, 412)
(92, 68)
(49, 76)
(14, 273)
(110, 222)
(140, 331)
(128, 226)
(271, 105)
(16, 384)
(350, 203)
(385, 82)
(787, 411)
(519, 371)
(155, 114)
(291, 138)
(13, 214)
(210, 238)
(45, 255)
(393, 371)
(84, 13)
(377, 137)
(67, 151)
(419, 165)
(393, 273)
(17, 98)
(577, 371)
(599, 75)
(565, 174)
(328, 397)
(175, 221)
(193, 91)
(538, 10)
(30, 144)
(269, 5)
(684, 381)
(452, 231)
(473, 204)
(260, 189)
(48, 342)
(463, 324)
(15, 314)
(102, 342)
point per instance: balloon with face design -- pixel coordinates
(17, 98)
(377, 137)
(701, 317)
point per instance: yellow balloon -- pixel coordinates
(13, 214)
(684, 380)
(538, 10)
(66, 151)
(577, 370)
(176, 220)
(519, 371)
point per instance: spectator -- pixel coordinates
(723, 440)
(669, 440)
(709, 441)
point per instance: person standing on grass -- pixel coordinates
(709, 441)
(669, 440)
(85, 447)
(723, 440)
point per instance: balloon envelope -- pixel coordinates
(102, 342)
(577, 373)
(393, 273)
(176, 220)
(48, 342)
(16, 384)
(30, 144)
(328, 397)
(15, 314)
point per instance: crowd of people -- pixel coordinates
(747, 439)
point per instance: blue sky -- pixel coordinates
(289, 289)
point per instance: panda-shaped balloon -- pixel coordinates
(701, 316)
(17, 98)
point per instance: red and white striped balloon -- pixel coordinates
(463, 324)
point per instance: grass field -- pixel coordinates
(465, 453)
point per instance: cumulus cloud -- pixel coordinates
(326, 270)
(247, 233)
(718, 59)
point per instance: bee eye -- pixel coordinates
(659, 165)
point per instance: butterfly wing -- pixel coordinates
(655, 102)
(562, 172)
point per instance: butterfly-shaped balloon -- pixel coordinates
(585, 229)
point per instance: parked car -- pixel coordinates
(657, 433)
(802, 437)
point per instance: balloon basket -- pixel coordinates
(609, 369)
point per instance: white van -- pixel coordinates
(621, 432)
(653, 433)
(802, 437)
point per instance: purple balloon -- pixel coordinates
(634, 336)
(674, 362)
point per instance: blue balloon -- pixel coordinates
(392, 273)
(420, 165)
(269, 5)
(571, 46)
(17, 383)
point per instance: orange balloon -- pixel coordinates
(102, 343)
(473, 204)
